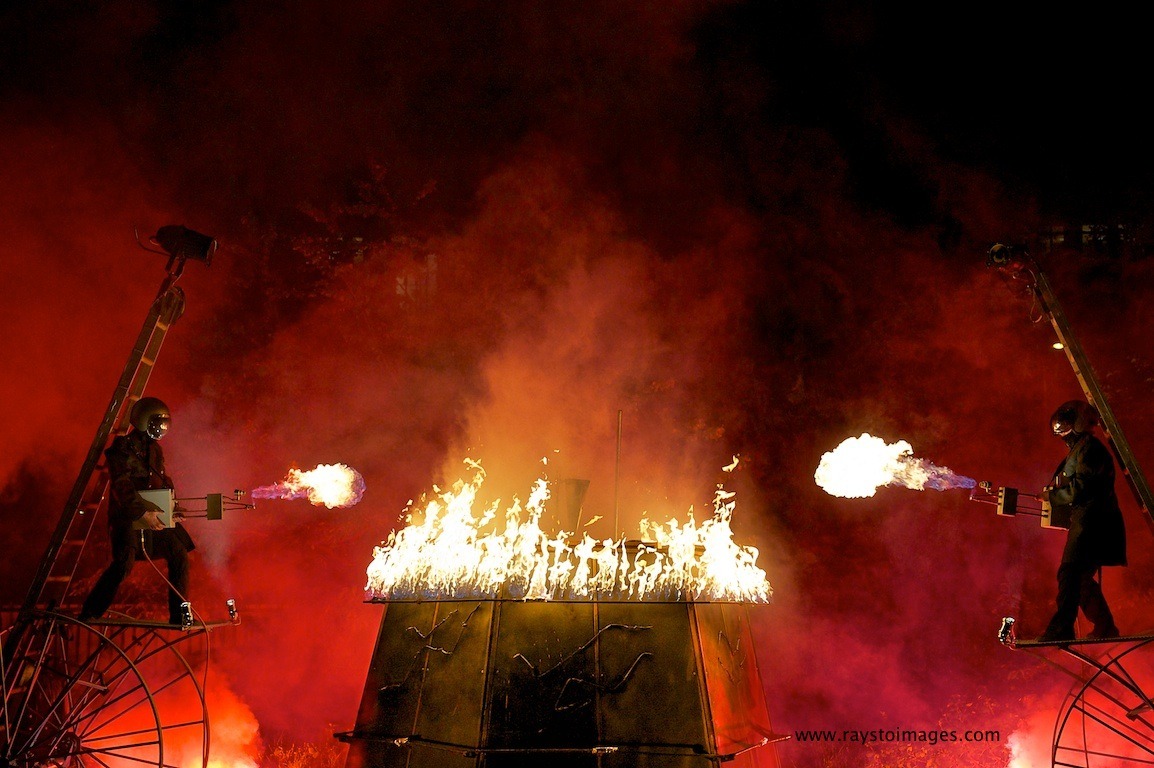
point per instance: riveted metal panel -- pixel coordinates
(508, 684)
(392, 688)
(737, 709)
(539, 696)
(456, 656)
(651, 699)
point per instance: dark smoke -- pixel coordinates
(485, 229)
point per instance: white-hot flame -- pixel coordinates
(861, 465)
(1018, 756)
(455, 553)
(333, 485)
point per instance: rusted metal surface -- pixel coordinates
(505, 684)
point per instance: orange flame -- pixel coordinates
(450, 555)
(861, 465)
(333, 485)
(235, 733)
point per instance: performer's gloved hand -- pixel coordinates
(151, 520)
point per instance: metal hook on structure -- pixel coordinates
(1006, 634)
(152, 240)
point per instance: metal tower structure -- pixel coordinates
(110, 692)
(1107, 716)
(508, 683)
(1018, 264)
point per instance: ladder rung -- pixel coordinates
(73, 542)
(58, 579)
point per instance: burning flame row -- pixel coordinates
(454, 553)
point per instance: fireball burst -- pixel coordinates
(861, 465)
(455, 553)
(333, 485)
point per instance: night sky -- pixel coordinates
(751, 228)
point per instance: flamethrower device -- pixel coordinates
(214, 505)
(173, 510)
(1009, 503)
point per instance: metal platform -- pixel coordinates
(1081, 641)
(1105, 718)
(196, 626)
(114, 692)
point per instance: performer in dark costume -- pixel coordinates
(136, 463)
(1083, 487)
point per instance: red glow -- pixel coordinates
(660, 210)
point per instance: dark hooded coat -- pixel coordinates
(1084, 484)
(136, 463)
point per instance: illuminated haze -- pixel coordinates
(749, 230)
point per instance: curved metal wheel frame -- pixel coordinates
(1107, 719)
(100, 696)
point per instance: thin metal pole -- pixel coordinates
(617, 481)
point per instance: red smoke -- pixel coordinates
(626, 208)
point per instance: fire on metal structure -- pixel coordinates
(458, 552)
(502, 645)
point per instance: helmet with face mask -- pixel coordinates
(151, 416)
(1074, 417)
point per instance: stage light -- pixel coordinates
(181, 244)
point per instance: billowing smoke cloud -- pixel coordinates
(486, 231)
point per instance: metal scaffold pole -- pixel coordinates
(75, 691)
(1022, 266)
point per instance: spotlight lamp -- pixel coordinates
(1014, 261)
(181, 244)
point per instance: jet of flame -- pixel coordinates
(456, 553)
(861, 465)
(334, 485)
